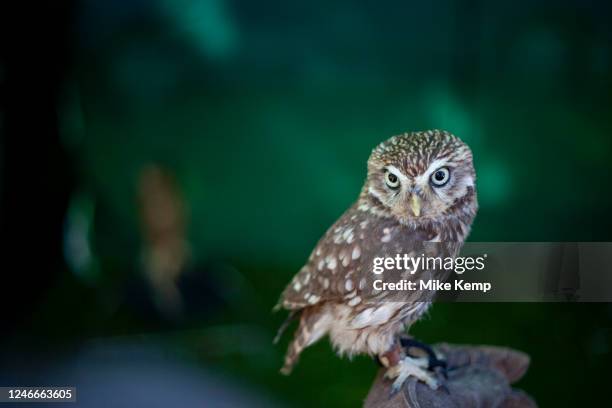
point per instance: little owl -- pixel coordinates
(420, 189)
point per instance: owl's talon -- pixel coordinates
(410, 367)
(434, 362)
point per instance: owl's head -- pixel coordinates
(421, 176)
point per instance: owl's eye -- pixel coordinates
(440, 177)
(392, 180)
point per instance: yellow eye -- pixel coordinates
(392, 180)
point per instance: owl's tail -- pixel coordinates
(293, 355)
(304, 337)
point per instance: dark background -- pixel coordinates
(259, 117)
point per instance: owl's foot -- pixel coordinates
(434, 362)
(411, 367)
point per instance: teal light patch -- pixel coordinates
(78, 229)
(493, 183)
(208, 23)
(446, 112)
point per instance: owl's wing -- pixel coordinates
(340, 268)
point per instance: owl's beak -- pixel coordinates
(415, 205)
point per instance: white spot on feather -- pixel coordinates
(346, 261)
(331, 263)
(348, 285)
(313, 299)
(355, 301)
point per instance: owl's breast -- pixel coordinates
(372, 329)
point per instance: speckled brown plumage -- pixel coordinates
(401, 209)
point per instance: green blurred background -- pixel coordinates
(250, 123)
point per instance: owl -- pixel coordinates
(419, 197)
